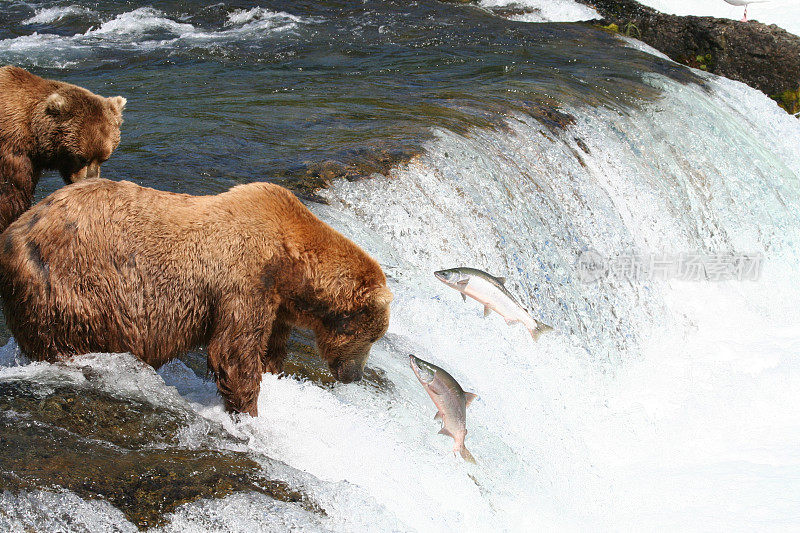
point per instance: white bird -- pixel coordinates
(744, 3)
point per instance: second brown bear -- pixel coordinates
(50, 125)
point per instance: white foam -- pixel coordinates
(59, 511)
(254, 513)
(144, 28)
(140, 21)
(547, 10)
(257, 14)
(54, 14)
(643, 47)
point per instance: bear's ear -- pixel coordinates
(382, 297)
(55, 104)
(117, 103)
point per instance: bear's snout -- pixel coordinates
(347, 371)
(92, 170)
(71, 174)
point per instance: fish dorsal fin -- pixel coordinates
(502, 280)
(470, 397)
(487, 310)
(438, 415)
(444, 431)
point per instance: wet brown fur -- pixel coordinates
(50, 125)
(102, 266)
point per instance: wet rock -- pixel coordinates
(514, 10)
(354, 165)
(765, 57)
(302, 362)
(124, 451)
(550, 116)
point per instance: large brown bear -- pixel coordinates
(50, 125)
(103, 266)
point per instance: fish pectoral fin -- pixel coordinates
(470, 397)
(487, 310)
(444, 431)
(438, 415)
(463, 296)
(462, 284)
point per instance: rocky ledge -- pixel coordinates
(765, 57)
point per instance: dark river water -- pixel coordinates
(240, 91)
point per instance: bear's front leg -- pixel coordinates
(272, 359)
(17, 181)
(234, 354)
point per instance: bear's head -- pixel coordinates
(345, 338)
(77, 131)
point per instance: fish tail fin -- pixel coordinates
(539, 329)
(466, 455)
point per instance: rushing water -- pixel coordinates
(514, 147)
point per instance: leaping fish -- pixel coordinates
(492, 293)
(450, 399)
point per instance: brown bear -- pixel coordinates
(103, 266)
(50, 125)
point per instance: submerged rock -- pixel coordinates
(303, 362)
(124, 451)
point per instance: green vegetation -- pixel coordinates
(789, 100)
(631, 30)
(702, 62)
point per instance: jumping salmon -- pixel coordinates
(492, 293)
(450, 399)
